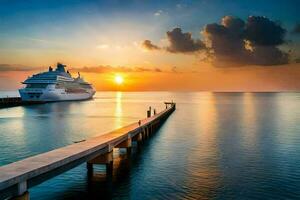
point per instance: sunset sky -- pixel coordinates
(210, 45)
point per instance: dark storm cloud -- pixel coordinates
(296, 29)
(234, 42)
(254, 42)
(226, 42)
(262, 31)
(147, 44)
(268, 55)
(233, 24)
(179, 42)
(182, 42)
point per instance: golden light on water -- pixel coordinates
(118, 110)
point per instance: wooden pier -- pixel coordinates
(7, 102)
(17, 177)
(10, 102)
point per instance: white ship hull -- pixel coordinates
(40, 95)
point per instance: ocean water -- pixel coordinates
(214, 146)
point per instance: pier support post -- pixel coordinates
(128, 151)
(138, 137)
(126, 144)
(145, 133)
(90, 169)
(148, 132)
(23, 194)
(109, 168)
(103, 159)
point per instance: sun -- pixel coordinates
(119, 79)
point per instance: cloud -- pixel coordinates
(179, 42)
(296, 29)
(179, 6)
(15, 67)
(147, 44)
(262, 31)
(183, 42)
(174, 69)
(102, 46)
(157, 70)
(233, 42)
(226, 42)
(96, 69)
(254, 42)
(268, 55)
(158, 13)
(110, 69)
(297, 60)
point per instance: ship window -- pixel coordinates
(59, 86)
(36, 85)
(86, 86)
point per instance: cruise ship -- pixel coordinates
(56, 85)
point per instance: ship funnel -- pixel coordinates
(60, 67)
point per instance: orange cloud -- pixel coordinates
(248, 78)
(251, 78)
(110, 69)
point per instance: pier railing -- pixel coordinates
(17, 177)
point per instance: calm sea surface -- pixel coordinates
(214, 146)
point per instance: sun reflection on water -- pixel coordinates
(249, 120)
(118, 110)
(206, 174)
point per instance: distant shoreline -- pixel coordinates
(15, 93)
